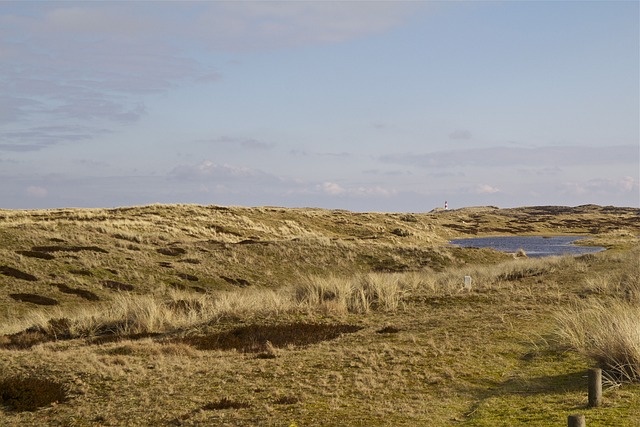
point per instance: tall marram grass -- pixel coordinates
(358, 294)
(607, 328)
(129, 314)
(607, 332)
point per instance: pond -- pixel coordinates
(534, 246)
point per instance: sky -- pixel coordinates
(385, 106)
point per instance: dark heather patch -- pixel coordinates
(30, 393)
(171, 251)
(14, 272)
(117, 286)
(254, 338)
(69, 249)
(36, 254)
(34, 299)
(88, 295)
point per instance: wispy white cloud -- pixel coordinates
(486, 189)
(395, 172)
(462, 134)
(37, 191)
(334, 189)
(331, 188)
(39, 137)
(271, 25)
(90, 63)
(549, 156)
(239, 142)
(208, 170)
(603, 186)
(95, 62)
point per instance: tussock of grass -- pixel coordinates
(129, 314)
(358, 294)
(607, 329)
(609, 333)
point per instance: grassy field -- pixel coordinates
(194, 315)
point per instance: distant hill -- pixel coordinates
(68, 256)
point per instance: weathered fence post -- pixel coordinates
(577, 421)
(467, 282)
(595, 387)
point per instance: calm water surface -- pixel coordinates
(534, 246)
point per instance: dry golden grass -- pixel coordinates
(359, 294)
(609, 333)
(309, 316)
(607, 328)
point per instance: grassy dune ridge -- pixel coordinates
(191, 315)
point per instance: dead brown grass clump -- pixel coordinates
(30, 393)
(25, 339)
(55, 329)
(257, 338)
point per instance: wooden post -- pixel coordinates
(467, 282)
(595, 387)
(577, 421)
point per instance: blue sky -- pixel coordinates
(367, 106)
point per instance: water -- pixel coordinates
(534, 246)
